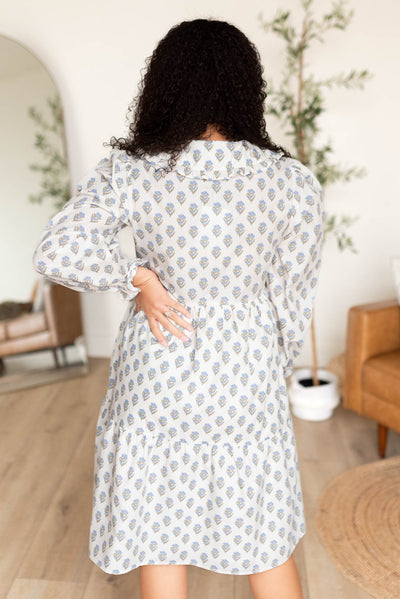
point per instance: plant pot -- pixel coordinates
(313, 402)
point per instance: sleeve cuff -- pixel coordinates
(131, 291)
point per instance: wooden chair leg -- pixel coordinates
(55, 356)
(382, 439)
(64, 355)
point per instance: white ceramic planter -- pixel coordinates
(314, 402)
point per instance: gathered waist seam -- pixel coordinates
(260, 296)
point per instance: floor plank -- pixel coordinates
(325, 450)
(38, 378)
(59, 549)
(46, 466)
(44, 589)
(42, 453)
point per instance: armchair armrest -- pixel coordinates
(372, 329)
(63, 314)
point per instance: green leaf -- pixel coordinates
(49, 141)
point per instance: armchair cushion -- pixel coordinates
(24, 325)
(58, 325)
(372, 329)
(21, 345)
(381, 377)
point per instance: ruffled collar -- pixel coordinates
(216, 159)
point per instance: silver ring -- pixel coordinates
(167, 313)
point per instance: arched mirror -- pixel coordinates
(40, 323)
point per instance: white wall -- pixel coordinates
(96, 51)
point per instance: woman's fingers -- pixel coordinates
(168, 326)
(157, 303)
(179, 320)
(179, 307)
(155, 329)
(171, 328)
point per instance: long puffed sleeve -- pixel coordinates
(79, 247)
(293, 274)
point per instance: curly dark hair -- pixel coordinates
(202, 72)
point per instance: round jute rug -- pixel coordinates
(358, 521)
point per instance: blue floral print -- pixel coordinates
(195, 454)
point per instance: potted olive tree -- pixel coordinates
(298, 103)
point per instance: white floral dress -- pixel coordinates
(195, 455)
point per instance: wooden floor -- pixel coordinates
(46, 466)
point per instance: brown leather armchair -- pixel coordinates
(56, 326)
(372, 365)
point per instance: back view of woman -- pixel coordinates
(195, 455)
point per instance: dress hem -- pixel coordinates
(191, 563)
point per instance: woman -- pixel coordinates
(195, 455)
